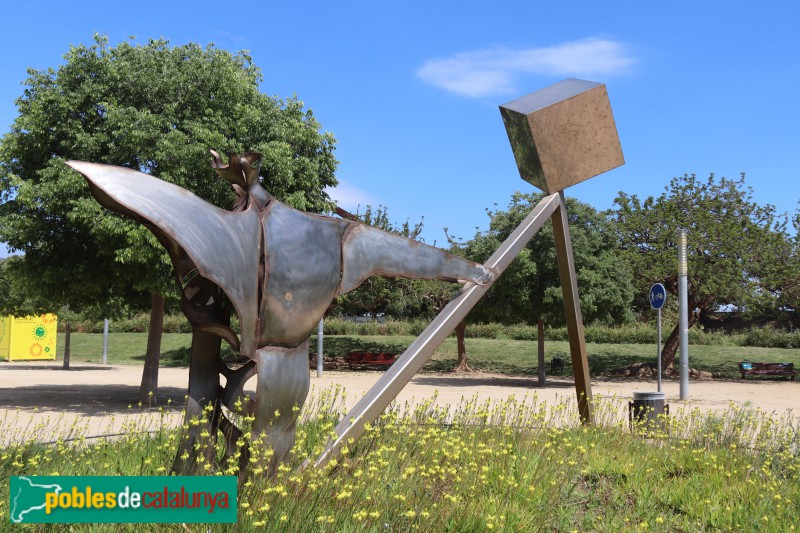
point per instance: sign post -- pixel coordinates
(658, 297)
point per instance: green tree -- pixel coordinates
(530, 289)
(792, 286)
(153, 108)
(14, 298)
(780, 279)
(777, 294)
(731, 251)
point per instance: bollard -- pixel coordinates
(557, 365)
(648, 412)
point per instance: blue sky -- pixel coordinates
(411, 89)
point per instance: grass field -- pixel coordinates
(495, 355)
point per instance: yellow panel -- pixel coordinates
(32, 337)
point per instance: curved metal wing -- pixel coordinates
(223, 246)
(368, 251)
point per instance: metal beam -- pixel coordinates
(420, 351)
(572, 309)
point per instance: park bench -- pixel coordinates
(359, 359)
(767, 369)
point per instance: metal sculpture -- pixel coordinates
(279, 269)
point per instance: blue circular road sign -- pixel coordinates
(658, 296)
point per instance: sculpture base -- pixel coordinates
(281, 390)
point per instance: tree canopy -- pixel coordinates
(530, 288)
(737, 250)
(153, 108)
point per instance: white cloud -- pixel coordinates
(350, 197)
(495, 71)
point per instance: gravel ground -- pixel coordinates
(40, 400)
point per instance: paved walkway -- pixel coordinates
(39, 400)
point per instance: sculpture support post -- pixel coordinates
(282, 387)
(572, 309)
(204, 390)
(562, 135)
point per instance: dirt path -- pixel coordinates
(41, 401)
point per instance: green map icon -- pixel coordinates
(27, 498)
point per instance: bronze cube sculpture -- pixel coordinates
(563, 134)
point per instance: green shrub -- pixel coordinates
(521, 332)
(714, 338)
(341, 326)
(638, 333)
(629, 334)
(771, 338)
(491, 330)
(555, 334)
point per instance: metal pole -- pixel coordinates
(105, 341)
(683, 311)
(319, 348)
(572, 310)
(658, 353)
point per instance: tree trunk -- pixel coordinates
(668, 352)
(671, 346)
(540, 345)
(149, 388)
(461, 364)
(67, 328)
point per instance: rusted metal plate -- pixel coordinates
(367, 251)
(297, 261)
(563, 134)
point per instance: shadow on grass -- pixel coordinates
(600, 364)
(87, 400)
(481, 365)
